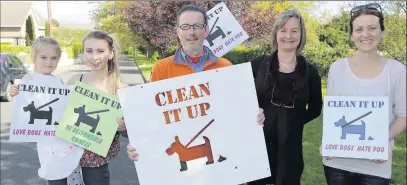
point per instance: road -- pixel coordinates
(19, 161)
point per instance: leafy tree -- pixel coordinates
(155, 21)
(29, 31)
(67, 36)
(394, 42)
(109, 16)
(55, 23)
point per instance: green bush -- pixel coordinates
(155, 57)
(76, 49)
(129, 51)
(15, 50)
(170, 51)
(241, 54)
(29, 31)
(323, 55)
(5, 43)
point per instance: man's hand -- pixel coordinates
(131, 152)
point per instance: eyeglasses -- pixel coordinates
(370, 6)
(188, 26)
(281, 104)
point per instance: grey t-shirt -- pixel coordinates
(390, 82)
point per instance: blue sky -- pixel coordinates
(76, 13)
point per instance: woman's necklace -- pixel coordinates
(289, 65)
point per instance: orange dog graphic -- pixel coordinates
(196, 152)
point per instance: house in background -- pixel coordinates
(13, 19)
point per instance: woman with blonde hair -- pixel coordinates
(100, 54)
(289, 90)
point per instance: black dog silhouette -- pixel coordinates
(84, 118)
(219, 32)
(38, 114)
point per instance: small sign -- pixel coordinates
(225, 31)
(90, 119)
(37, 110)
(356, 127)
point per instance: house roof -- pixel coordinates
(41, 21)
(14, 14)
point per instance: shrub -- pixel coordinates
(29, 31)
(241, 54)
(76, 49)
(15, 50)
(129, 51)
(155, 57)
(5, 43)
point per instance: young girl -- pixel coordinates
(367, 74)
(100, 55)
(46, 53)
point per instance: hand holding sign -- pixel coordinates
(122, 125)
(382, 161)
(260, 117)
(131, 152)
(13, 90)
(320, 153)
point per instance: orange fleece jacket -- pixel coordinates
(167, 68)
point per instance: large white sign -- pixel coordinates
(356, 127)
(197, 129)
(37, 110)
(225, 31)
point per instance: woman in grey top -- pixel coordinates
(367, 74)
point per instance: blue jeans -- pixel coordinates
(91, 176)
(341, 177)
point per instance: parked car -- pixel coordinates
(11, 68)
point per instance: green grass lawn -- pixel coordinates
(145, 65)
(313, 171)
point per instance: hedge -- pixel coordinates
(241, 54)
(15, 50)
(5, 43)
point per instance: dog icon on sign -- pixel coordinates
(347, 128)
(86, 119)
(36, 113)
(186, 153)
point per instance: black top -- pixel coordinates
(297, 89)
(284, 98)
